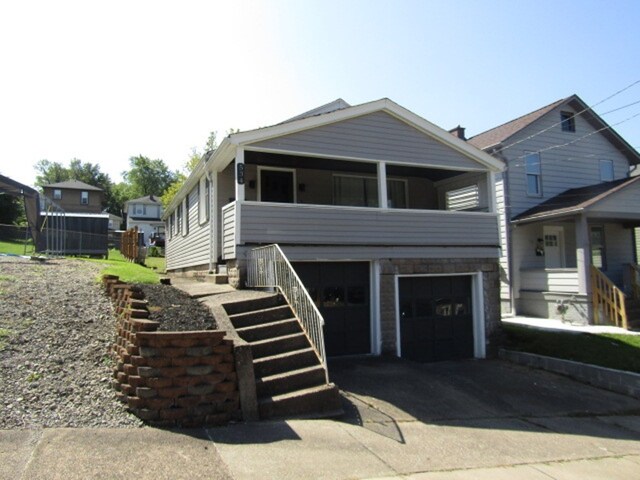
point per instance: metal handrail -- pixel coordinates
(608, 300)
(269, 267)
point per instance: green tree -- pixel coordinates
(148, 177)
(181, 177)
(50, 172)
(11, 210)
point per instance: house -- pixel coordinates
(567, 209)
(389, 221)
(146, 214)
(115, 222)
(75, 196)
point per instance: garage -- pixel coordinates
(436, 318)
(341, 291)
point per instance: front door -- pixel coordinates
(553, 247)
(276, 186)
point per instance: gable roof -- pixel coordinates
(333, 112)
(73, 185)
(148, 199)
(500, 135)
(574, 200)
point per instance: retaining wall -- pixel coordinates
(184, 379)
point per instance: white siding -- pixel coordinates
(192, 249)
(505, 275)
(376, 136)
(626, 200)
(572, 166)
(619, 250)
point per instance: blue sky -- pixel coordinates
(106, 81)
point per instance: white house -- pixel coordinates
(390, 222)
(567, 209)
(146, 214)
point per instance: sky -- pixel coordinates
(106, 81)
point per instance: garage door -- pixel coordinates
(436, 321)
(341, 292)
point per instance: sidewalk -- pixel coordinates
(325, 449)
(554, 324)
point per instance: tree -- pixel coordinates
(181, 177)
(212, 142)
(50, 172)
(11, 210)
(148, 177)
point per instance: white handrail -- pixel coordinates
(269, 267)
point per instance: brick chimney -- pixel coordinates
(458, 132)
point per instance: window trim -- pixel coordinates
(204, 199)
(538, 175)
(568, 121)
(294, 179)
(603, 162)
(185, 214)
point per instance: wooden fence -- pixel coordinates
(130, 246)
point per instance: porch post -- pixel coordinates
(239, 175)
(382, 185)
(583, 255)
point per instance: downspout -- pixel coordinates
(208, 175)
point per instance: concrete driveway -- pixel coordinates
(470, 419)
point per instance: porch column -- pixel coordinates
(239, 175)
(382, 185)
(583, 255)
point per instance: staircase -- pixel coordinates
(633, 313)
(290, 378)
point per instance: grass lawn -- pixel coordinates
(16, 247)
(611, 350)
(131, 272)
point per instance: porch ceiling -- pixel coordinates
(299, 161)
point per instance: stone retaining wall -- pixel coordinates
(627, 383)
(185, 379)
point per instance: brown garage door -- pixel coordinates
(436, 321)
(340, 290)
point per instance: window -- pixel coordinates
(203, 200)
(171, 224)
(139, 209)
(84, 198)
(178, 219)
(465, 198)
(532, 172)
(396, 193)
(57, 194)
(606, 170)
(355, 191)
(185, 214)
(598, 256)
(568, 121)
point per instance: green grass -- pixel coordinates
(16, 247)
(127, 271)
(4, 335)
(610, 350)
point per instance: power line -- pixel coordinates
(575, 115)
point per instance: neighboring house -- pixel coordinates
(146, 214)
(566, 203)
(389, 221)
(73, 221)
(75, 196)
(115, 222)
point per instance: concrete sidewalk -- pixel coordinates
(323, 449)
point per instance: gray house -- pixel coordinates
(389, 221)
(567, 209)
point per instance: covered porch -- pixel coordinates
(577, 251)
(294, 199)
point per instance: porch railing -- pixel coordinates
(608, 300)
(634, 279)
(269, 267)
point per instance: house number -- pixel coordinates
(240, 174)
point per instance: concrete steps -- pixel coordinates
(290, 379)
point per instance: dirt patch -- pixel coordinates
(176, 311)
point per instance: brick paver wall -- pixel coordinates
(184, 379)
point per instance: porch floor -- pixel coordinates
(556, 324)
